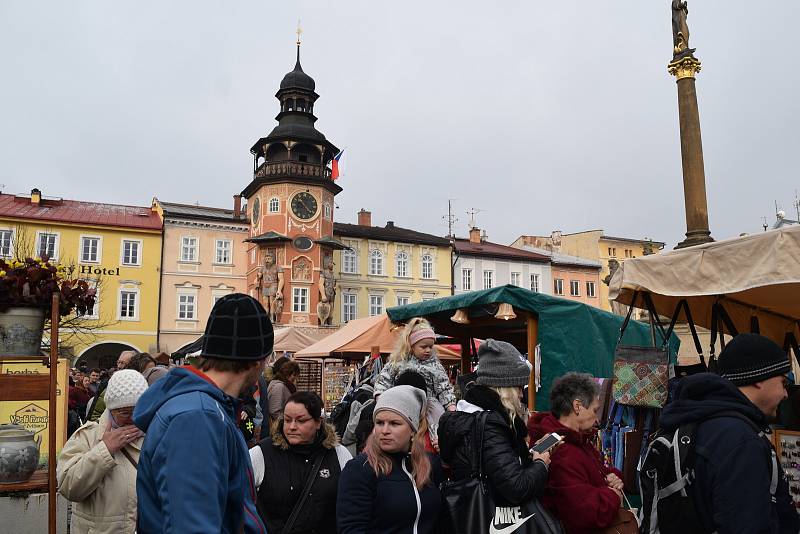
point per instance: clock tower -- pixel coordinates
(290, 202)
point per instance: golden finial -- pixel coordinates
(298, 32)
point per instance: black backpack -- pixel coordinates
(666, 470)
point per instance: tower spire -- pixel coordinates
(299, 31)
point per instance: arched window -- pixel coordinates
(402, 264)
(376, 262)
(427, 266)
(274, 205)
(327, 211)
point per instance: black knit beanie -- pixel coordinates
(238, 328)
(411, 378)
(751, 358)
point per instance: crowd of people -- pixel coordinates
(226, 445)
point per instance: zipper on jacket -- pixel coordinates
(416, 494)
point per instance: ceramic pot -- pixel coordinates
(19, 454)
(21, 331)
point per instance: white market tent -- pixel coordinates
(755, 278)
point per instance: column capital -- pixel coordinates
(685, 67)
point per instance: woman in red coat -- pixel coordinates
(581, 491)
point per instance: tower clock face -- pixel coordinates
(304, 206)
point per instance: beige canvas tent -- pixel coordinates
(355, 339)
(755, 278)
(293, 339)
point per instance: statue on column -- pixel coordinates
(680, 30)
(270, 282)
(327, 293)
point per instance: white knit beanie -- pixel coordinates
(124, 389)
(405, 401)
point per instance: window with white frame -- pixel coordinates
(402, 264)
(300, 299)
(274, 205)
(558, 286)
(128, 304)
(186, 306)
(574, 288)
(6, 243)
(535, 283)
(466, 279)
(427, 266)
(47, 245)
(375, 305)
(591, 290)
(90, 249)
(95, 313)
(376, 262)
(349, 307)
(403, 301)
(131, 252)
(349, 261)
(488, 279)
(515, 279)
(188, 248)
(224, 252)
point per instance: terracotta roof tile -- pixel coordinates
(79, 212)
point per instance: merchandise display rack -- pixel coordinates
(35, 387)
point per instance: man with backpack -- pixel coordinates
(711, 467)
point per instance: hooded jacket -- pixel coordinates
(103, 485)
(194, 468)
(733, 467)
(387, 504)
(436, 379)
(577, 492)
(281, 471)
(513, 477)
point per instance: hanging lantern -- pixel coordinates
(460, 316)
(505, 312)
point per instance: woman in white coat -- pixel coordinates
(97, 466)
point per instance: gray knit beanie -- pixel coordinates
(501, 365)
(405, 401)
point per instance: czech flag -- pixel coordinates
(335, 165)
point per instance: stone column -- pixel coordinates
(694, 179)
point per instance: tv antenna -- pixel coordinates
(472, 212)
(450, 217)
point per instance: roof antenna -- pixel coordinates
(764, 223)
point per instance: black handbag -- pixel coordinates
(471, 509)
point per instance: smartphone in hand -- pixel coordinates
(547, 443)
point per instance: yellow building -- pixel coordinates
(116, 248)
(594, 245)
(387, 266)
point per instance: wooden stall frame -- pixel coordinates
(34, 388)
(533, 340)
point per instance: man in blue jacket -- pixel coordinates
(735, 490)
(194, 470)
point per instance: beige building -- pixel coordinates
(594, 245)
(204, 258)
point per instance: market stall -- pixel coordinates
(570, 336)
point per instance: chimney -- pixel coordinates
(474, 235)
(364, 218)
(36, 196)
(237, 206)
(389, 224)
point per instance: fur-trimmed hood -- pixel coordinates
(329, 441)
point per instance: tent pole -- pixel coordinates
(465, 356)
(533, 337)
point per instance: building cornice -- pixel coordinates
(207, 225)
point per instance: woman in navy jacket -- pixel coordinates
(392, 488)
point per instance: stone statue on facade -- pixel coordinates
(270, 283)
(680, 30)
(327, 294)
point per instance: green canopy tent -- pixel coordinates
(572, 336)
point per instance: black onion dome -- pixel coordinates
(297, 79)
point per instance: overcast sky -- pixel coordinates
(544, 115)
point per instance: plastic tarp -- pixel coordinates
(572, 336)
(751, 276)
(355, 338)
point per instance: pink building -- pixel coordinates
(204, 258)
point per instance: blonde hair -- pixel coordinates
(509, 396)
(403, 348)
(381, 462)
